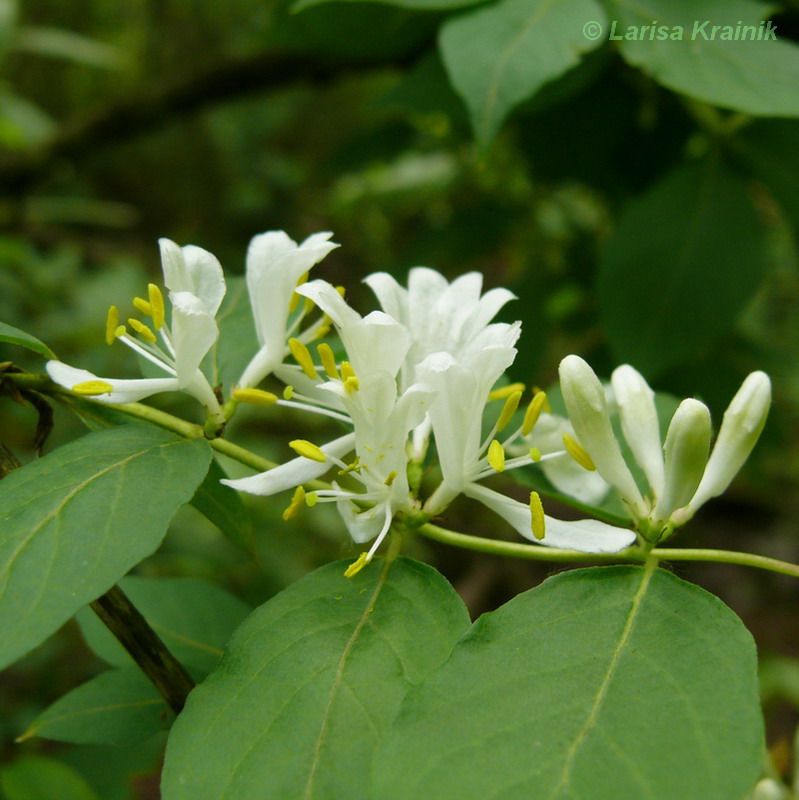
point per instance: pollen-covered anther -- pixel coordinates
(311, 499)
(303, 357)
(328, 360)
(496, 455)
(306, 449)
(92, 388)
(538, 523)
(143, 306)
(509, 409)
(120, 331)
(142, 330)
(111, 325)
(506, 391)
(537, 405)
(547, 406)
(357, 565)
(156, 305)
(352, 384)
(535, 454)
(578, 452)
(288, 392)
(297, 502)
(256, 397)
(390, 477)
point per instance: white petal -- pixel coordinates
(588, 414)
(363, 525)
(743, 421)
(294, 472)
(585, 535)
(392, 297)
(489, 306)
(687, 447)
(330, 301)
(192, 269)
(194, 332)
(639, 422)
(376, 342)
(124, 391)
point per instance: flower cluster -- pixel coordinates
(427, 367)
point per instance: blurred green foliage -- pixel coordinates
(634, 222)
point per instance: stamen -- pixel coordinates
(297, 501)
(506, 391)
(354, 467)
(533, 412)
(328, 360)
(303, 357)
(311, 499)
(322, 331)
(346, 370)
(537, 515)
(535, 454)
(91, 388)
(390, 478)
(295, 298)
(578, 452)
(111, 325)
(308, 450)
(352, 385)
(509, 409)
(307, 307)
(143, 306)
(496, 456)
(341, 290)
(547, 406)
(120, 331)
(256, 397)
(356, 566)
(288, 392)
(156, 305)
(142, 330)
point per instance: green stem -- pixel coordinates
(632, 555)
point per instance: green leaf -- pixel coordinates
(504, 53)
(194, 619)
(758, 77)
(684, 261)
(416, 5)
(224, 507)
(74, 522)
(40, 778)
(116, 707)
(16, 336)
(310, 683)
(602, 683)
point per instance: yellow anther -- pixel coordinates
(328, 359)
(506, 391)
(143, 306)
(547, 406)
(288, 392)
(496, 456)
(111, 324)
(352, 384)
(294, 302)
(390, 477)
(256, 397)
(533, 412)
(303, 357)
(322, 331)
(308, 449)
(156, 305)
(297, 501)
(90, 388)
(120, 331)
(311, 499)
(307, 307)
(356, 566)
(535, 454)
(354, 467)
(508, 410)
(538, 522)
(578, 452)
(346, 370)
(341, 290)
(142, 330)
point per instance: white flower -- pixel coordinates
(197, 286)
(462, 391)
(679, 474)
(275, 264)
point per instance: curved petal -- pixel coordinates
(330, 301)
(294, 472)
(585, 535)
(392, 297)
(363, 525)
(124, 391)
(194, 332)
(489, 306)
(375, 343)
(194, 270)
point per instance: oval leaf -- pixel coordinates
(602, 683)
(41, 778)
(116, 707)
(759, 76)
(192, 617)
(310, 683)
(15, 336)
(74, 522)
(504, 53)
(683, 263)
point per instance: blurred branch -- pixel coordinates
(157, 106)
